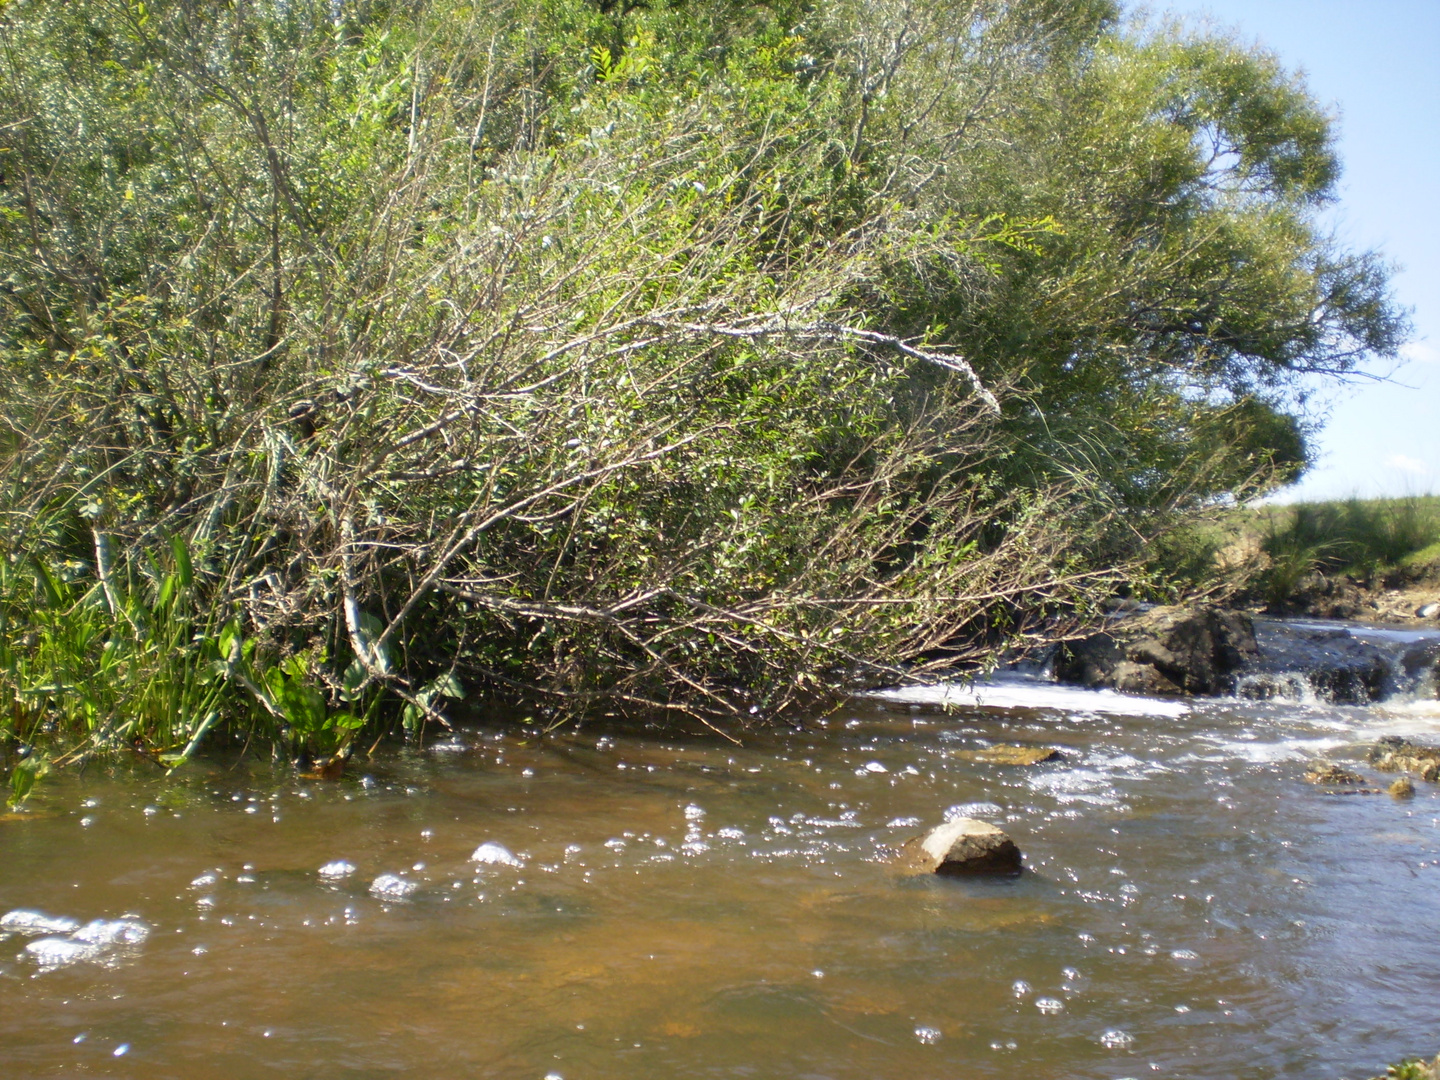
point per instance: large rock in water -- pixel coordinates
(1166, 650)
(964, 846)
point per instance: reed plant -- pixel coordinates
(134, 652)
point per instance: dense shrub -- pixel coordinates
(699, 358)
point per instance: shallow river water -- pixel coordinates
(648, 906)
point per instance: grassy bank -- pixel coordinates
(1373, 542)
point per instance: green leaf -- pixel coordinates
(447, 686)
(369, 630)
(346, 722)
(48, 584)
(167, 592)
(184, 568)
(24, 776)
(229, 637)
(352, 681)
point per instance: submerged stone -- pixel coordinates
(1327, 772)
(1013, 754)
(962, 847)
(1404, 788)
(1394, 754)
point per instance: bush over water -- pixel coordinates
(692, 358)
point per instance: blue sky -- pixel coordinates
(1376, 66)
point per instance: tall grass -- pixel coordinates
(1363, 537)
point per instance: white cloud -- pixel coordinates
(1411, 465)
(1420, 352)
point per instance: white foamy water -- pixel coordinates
(337, 869)
(1023, 692)
(1266, 753)
(1078, 785)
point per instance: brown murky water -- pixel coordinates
(693, 909)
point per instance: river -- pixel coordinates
(651, 906)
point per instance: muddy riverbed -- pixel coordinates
(646, 906)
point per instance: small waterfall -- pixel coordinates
(1311, 661)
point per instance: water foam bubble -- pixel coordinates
(392, 887)
(54, 952)
(124, 931)
(492, 854)
(24, 921)
(337, 869)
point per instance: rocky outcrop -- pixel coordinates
(1330, 662)
(1166, 651)
(963, 847)
(1207, 650)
